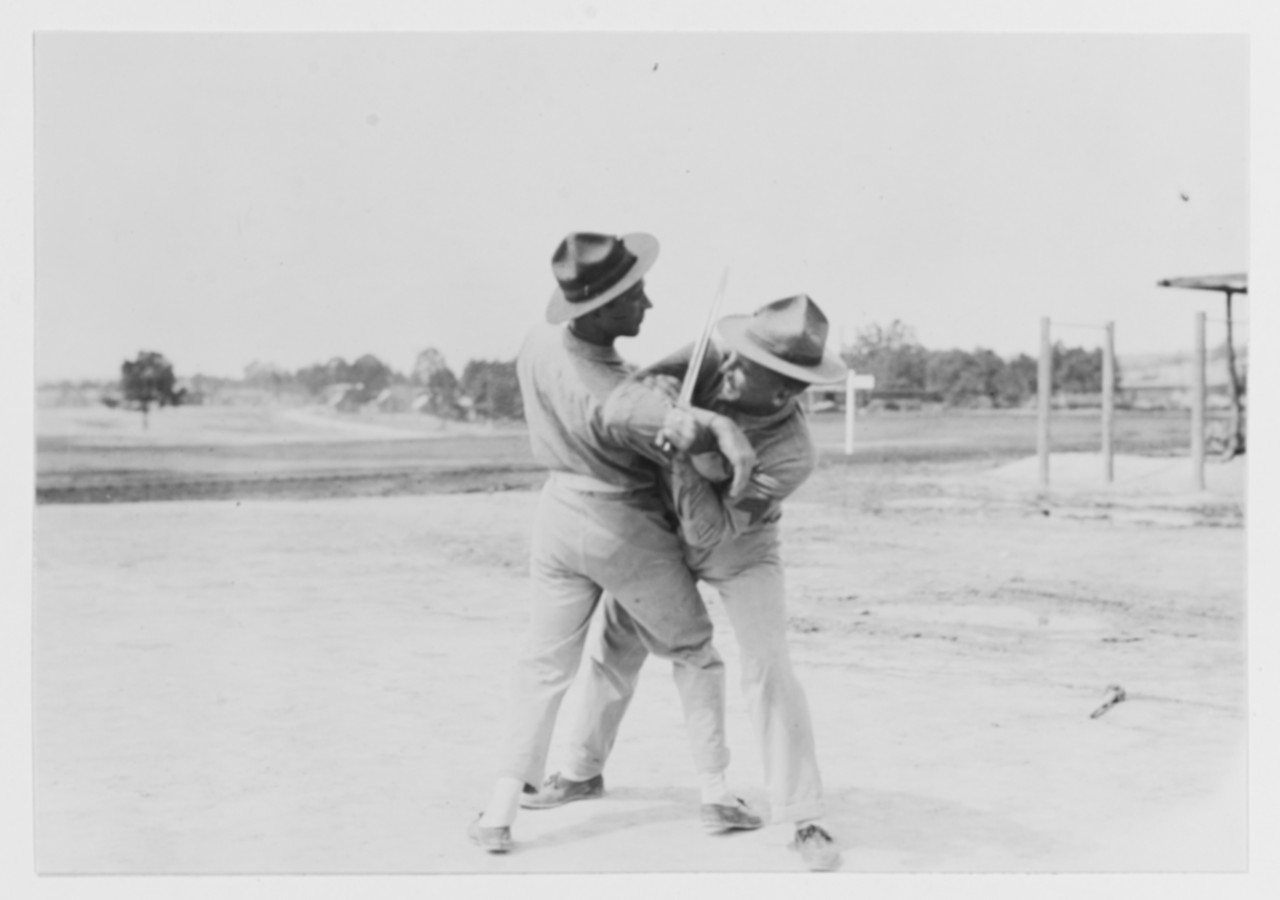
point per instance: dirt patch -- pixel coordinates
(318, 686)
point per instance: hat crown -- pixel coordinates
(793, 329)
(586, 264)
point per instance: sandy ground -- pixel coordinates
(317, 686)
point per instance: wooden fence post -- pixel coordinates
(1045, 386)
(1197, 404)
(1108, 402)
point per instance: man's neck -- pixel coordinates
(591, 334)
(763, 413)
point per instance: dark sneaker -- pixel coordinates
(558, 790)
(491, 840)
(817, 849)
(721, 817)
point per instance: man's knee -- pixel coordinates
(699, 655)
(667, 631)
(773, 664)
(547, 673)
(620, 673)
(766, 652)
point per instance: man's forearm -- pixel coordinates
(636, 414)
(713, 430)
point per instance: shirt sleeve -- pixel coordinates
(636, 409)
(675, 365)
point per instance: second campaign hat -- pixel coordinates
(788, 336)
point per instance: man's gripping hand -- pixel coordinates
(683, 430)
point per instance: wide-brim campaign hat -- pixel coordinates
(788, 336)
(592, 269)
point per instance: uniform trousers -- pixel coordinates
(748, 575)
(586, 543)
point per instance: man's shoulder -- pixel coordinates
(785, 441)
(543, 344)
(542, 334)
(795, 428)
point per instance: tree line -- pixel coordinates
(902, 367)
(488, 389)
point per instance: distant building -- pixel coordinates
(396, 398)
(344, 397)
(1165, 381)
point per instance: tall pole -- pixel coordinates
(848, 413)
(1045, 385)
(1108, 402)
(1197, 405)
(1237, 407)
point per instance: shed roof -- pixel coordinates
(1235, 284)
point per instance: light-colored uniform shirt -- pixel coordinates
(565, 382)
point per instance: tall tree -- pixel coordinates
(442, 394)
(890, 353)
(314, 379)
(431, 372)
(1076, 370)
(149, 380)
(1018, 380)
(372, 374)
(964, 378)
(429, 362)
(267, 376)
(493, 389)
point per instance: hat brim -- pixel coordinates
(733, 330)
(644, 247)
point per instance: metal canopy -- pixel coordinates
(1232, 284)
(1229, 285)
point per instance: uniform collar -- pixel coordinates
(791, 408)
(579, 347)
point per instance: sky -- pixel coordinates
(286, 198)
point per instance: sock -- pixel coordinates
(569, 773)
(503, 803)
(716, 790)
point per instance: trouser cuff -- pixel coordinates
(809, 809)
(581, 771)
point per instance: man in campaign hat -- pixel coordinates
(732, 543)
(601, 525)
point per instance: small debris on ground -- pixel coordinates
(1115, 694)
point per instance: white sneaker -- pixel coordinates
(721, 817)
(491, 840)
(817, 849)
